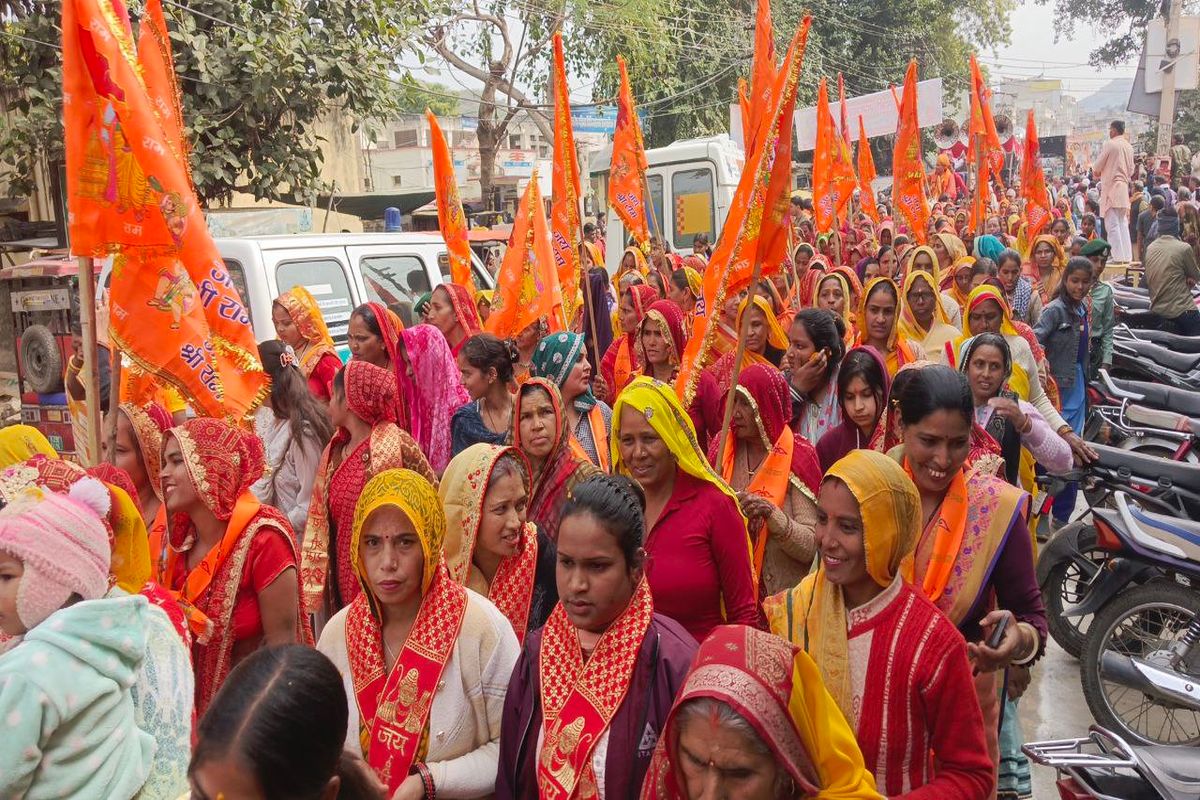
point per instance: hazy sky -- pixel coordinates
(1034, 52)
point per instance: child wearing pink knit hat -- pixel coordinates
(69, 723)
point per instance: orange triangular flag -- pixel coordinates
(983, 125)
(527, 287)
(626, 176)
(1033, 183)
(756, 221)
(908, 189)
(565, 225)
(762, 68)
(866, 173)
(833, 176)
(451, 218)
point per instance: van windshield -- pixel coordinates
(395, 281)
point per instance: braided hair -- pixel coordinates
(619, 505)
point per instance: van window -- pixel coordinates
(478, 274)
(326, 279)
(655, 184)
(692, 200)
(238, 275)
(395, 281)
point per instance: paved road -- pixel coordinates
(1053, 708)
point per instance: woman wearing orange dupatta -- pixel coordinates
(425, 662)
(367, 442)
(593, 688)
(1047, 261)
(542, 434)
(619, 364)
(453, 312)
(775, 474)
(753, 700)
(491, 548)
(140, 432)
(974, 559)
(956, 281)
(299, 323)
(233, 560)
(878, 325)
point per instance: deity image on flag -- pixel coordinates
(175, 294)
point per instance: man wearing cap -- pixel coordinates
(1171, 271)
(1100, 307)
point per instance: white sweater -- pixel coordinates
(464, 720)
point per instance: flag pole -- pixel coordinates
(738, 357)
(653, 217)
(114, 402)
(91, 362)
(590, 312)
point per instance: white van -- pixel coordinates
(342, 270)
(702, 175)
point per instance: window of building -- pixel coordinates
(514, 141)
(397, 180)
(407, 137)
(326, 279)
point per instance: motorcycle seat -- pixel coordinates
(1175, 771)
(1157, 395)
(1172, 341)
(1179, 532)
(1150, 468)
(1181, 363)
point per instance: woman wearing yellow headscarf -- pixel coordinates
(412, 643)
(299, 323)
(702, 576)
(924, 259)
(491, 548)
(839, 292)
(1047, 261)
(923, 319)
(632, 260)
(859, 615)
(948, 248)
(22, 442)
(878, 326)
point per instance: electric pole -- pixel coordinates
(1166, 108)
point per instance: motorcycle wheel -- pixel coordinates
(1138, 622)
(1065, 586)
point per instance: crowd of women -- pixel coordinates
(460, 567)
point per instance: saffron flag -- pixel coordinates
(626, 177)
(757, 217)
(866, 173)
(833, 177)
(983, 190)
(174, 312)
(451, 218)
(747, 113)
(762, 69)
(908, 186)
(1033, 183)
(565, 226)
(843, 167)
(982, 132)
(527, 287)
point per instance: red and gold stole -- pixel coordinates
(512, 585)
(770, 482)
(394, 707)
(580, 699)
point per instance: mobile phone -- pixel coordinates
(997, 634)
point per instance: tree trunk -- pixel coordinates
(488, 133)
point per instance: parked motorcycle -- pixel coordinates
(1104, 766)
(1142, 360)
(1070, 561)
(1140, 665)
(1148, 418)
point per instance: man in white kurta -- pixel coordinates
(1114, 167)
